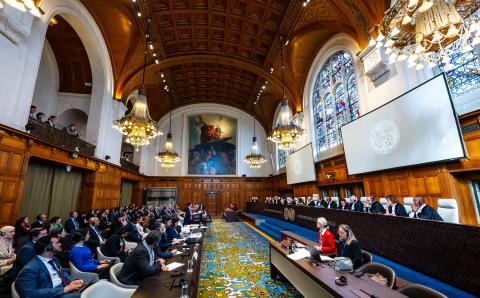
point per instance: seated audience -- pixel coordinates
(394, 207)
(141, 262)
(56, 222)
(72, 223)
(7, 254)
(82, 257)
(22, 230)
(41, 220)
(372, 206)
(153, 223)
(71, 130)
(27, 252)
(115, 245)
(138, 221)
(343, 205)
(164, 242)
(51, 121)
(171, 228)
(349, 246)
(326, 241)
(33, 110)
(355, 204)
(329, 203)
(423, 211)
(95, 238)
(133, 234)
(43, 276)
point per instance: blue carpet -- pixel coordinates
(273, 228)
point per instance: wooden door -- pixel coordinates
(211, 204)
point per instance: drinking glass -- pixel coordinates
(190, 266)
(184, 290)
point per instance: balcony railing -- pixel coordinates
(128, 165)
(57, 137)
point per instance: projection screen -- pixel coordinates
(416, 128)
(300, 166)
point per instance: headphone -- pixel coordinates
(2, 233)
(49, 245)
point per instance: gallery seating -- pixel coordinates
(448, 210)
(415, 290)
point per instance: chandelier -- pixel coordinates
(255, 159)
(138, 126)
(168, 158)
(421, 31)
(285, 133)
(24, 5)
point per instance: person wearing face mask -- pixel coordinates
(349, 246)
(141, 262)
(326, 241)
(7, 254)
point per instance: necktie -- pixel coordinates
(75, 223)
(59, 272)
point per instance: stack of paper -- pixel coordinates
(174, 265)
(196, 235)
(299, 254)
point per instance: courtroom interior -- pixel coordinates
(239, 148)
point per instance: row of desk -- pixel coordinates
(448, 252)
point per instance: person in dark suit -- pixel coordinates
(95, 238)
(51, 121)
(41, 220)
(188, 214)
(164, 242)
(394, 207)
(355, 204)
(141, 262)
(343, 205)
(349, 246)
(328, 203)
(72, 223)
(118, 222)
(171, 227)
(372, 206)
(115, 245)
(43, 276)
(27, 252)
(153, 223)
(420, 210)
(326, 241)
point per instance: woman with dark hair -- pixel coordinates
(22, 230)
(115, 244)
(56, 222)
(171, 230)
(394, 207)
(343, 205)
(82, 257)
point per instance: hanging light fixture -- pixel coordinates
(255, 159)
(138, 126)
(23, 6)
(168, 158)
(424, 29)
(285, 133)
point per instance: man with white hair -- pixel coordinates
(423, 211)
(355, 205)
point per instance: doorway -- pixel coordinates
(212, 199)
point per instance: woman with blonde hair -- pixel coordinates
(7, 254)
(349, 246)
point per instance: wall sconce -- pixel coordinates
(330, 175)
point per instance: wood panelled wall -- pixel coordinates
(100, 184)
(234, 189)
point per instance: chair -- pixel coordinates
(104, 288)
(363, 200)
(335, 199)
(77, 274)
(407, 201)
(448, 210)
(113, 277)
(102, 257)
(367, 257)
(384, 202)
(385, 271)
(14, 291)
(415, 290)
(130, 245)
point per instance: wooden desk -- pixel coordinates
(160, 284)
(319, 281)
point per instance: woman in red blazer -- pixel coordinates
(326, 240)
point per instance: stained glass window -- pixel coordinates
(465, 75)
(335, 100)
(282, 157)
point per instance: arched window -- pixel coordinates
(335, 100)
(282, 157)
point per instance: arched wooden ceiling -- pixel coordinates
(222, 51)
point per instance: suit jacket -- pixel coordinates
(399, 210)
(70, 225)
(36, 224)
(164, 242)
(376, 207)
(24, 256)
(114, 227)
(114, 247)
(172, 233)
(328, 243)
(353, 252)
(427, 213)
(333, 204)
(35, 281)
(133, 235)
(93, 242)
(137, 266)
(188, 216)
(357, 206)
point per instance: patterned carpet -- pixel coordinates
(235, 263)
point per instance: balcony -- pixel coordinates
(129, 166)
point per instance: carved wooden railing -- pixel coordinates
(128, 165)
(57, 137)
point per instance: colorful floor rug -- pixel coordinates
(235, 263)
